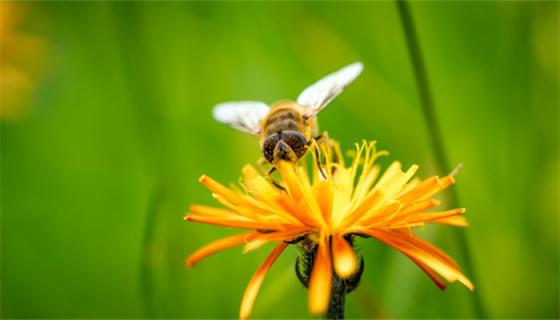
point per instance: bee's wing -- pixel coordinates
(241, 115)
(318, 95)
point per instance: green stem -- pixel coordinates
(146, 272)
(434, 132)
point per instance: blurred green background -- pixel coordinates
(102, 146)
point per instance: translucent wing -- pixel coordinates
(241, 115)
(318, 95)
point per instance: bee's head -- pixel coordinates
(284, 145)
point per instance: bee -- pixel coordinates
(287, 129)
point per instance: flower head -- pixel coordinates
(22, 60)
(353, 200)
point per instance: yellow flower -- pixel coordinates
(350, 201)
(22, 60)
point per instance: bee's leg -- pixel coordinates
(269, 176)
(277, 185)
(323, 138)
(318, 161)
(261, 166)
(321, 169)
(268, 172)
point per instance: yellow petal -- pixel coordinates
(249, 172)
(342, 187)
(420, 206)
(368, 204)
(437, 280)
(381, 216)
(393, 186)
(221, 190)
(247, 209)
(256, 281)
(344, 258)
(390, 173)
(456, 221)
(425, 187)
(321, 279)
(289, 176)
(364, 184)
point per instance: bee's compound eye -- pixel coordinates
(296, 141)
(268, 147)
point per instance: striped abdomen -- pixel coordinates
(283, 119)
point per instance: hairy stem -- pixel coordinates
(336, 304)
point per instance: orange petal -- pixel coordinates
(250, 207)
(324, 197)
(367, 204)
(297, 211)
(256, 281)
(290, 178)
(381, 215)
(221, 190)
(232, 222)
(215, 212)
(428, 217)
(443, 184)
(403, 235)
(321, 279)
(447, 181)
(422, 217)
(218, 245)
(437, 280)
(431, 249)
(420, 206)
(344, 258)
(425, 253)
(425, 187)
(456, 221)
(263, 238)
